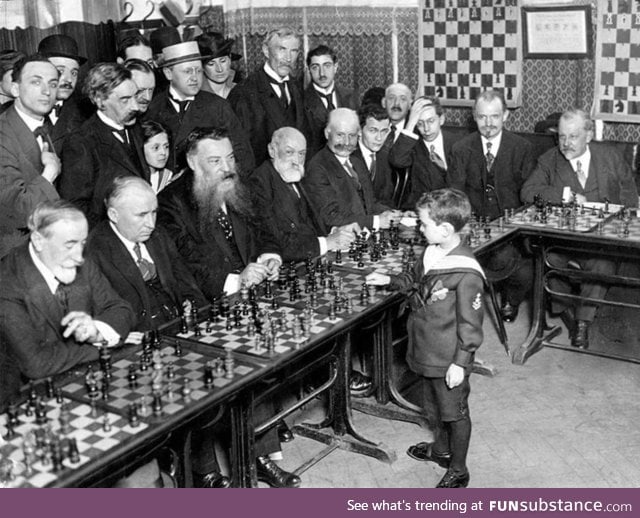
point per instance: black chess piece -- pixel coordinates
(132, 376)
(156, 405)
(65, 419)
(72, 452)
(184, 328)
(49, 388)
(41, 413)
(177, 349)
(134, 420)
(208, 374)
(56, 455)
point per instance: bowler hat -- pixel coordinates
(60, 45)
(8, 59)
(213, 45)
(163, 37)
(179, 53)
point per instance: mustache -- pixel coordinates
(65, 85)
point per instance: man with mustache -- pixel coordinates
(323, 95)
(490, 166)
(68, 113)
(397, 101)
(208, 213)
(108, 144)
(183, 107)
(29, 165)
(270, 98)
(589, 172)
(341, 189)
(54, 305)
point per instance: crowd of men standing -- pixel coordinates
(185, 181)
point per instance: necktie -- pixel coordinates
(329, 99)
(582, 177)
(295, 188)
(352, 174)
(435, 158)
(147, 268)
(122, 133)
(282, 86)
(372, 167)
(42, 132)
(489, 157)
(57, 109)
(62, 295)
(183, 106)
(225, 225)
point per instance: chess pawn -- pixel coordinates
(197, 332)
(59, 398)
(177, 349)
(41, 413)
(338, 256)
(106, 424)
(208, 374)
(184, 326)
(349, 306)
(268, 289)
(132, 376)
(157, 404)
(49, 390)
(65, 419)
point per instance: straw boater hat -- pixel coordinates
(60, 45)
(213, 45)
(180, 53)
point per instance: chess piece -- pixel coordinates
(244, 292)
(186, 390)
(229, 364)
(106, 424)
(157, 404)
(41, 413)
(132, 376)
(59, 398)
(208, 374)
(177, 349)
(72, 451)
(49, 389)
(56, 455)
(268, 289)
(197, 331)
(184, 328)
(134, 420)
(65, 420)
(29, 453)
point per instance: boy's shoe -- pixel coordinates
(454, 479)
(423, 451)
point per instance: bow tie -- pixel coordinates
(57, 109)
(183, 106)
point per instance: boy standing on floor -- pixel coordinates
(445, 328)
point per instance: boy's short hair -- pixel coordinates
(446, 206)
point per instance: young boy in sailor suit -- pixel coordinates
(445, 291)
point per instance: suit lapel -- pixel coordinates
(271, 101)
(26, 139)
(115, 149)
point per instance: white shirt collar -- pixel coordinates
(108, 121)
(324, 91)
(130, 245)
(44, 270)
(173, 94)
(273, 74)
(366, 153)
(495, 144)
(31, 122)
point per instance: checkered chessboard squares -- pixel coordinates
(87, 428)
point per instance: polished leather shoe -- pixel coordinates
(423, 451)
(454, 479)
(360, 385)
(284, 432)
(211, 480)
(270, 473)
(509, 312)
(581, 337)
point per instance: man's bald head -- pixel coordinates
(288, 149)
(342, 131)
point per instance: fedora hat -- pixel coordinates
(213, 45)
(163, 37)
(180, 53)
(60, 45)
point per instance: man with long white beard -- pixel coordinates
(208, 213)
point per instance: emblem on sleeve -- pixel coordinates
(477, 302)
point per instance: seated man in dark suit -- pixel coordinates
(490, 166)
(29, 165)
(208, 213)
(144, 267)
(54, 306)
(108, 144)
(285, 209)
(424, 148)
(590, 172)
(341, 191)
(374, 128)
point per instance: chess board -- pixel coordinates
(468, 46)
(587, 218)
(188, 369)
(86, 427)
(477, 235)
(227, 335)
(616, 228)
(617, 74)
(391, 263)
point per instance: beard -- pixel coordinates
(211, 194)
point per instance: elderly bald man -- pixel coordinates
(339, 185)
(286, 211)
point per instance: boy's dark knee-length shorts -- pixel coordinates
(452, 404)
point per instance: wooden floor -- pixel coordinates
(564, 419)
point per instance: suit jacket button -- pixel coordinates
(143, 313)
(293, 225)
